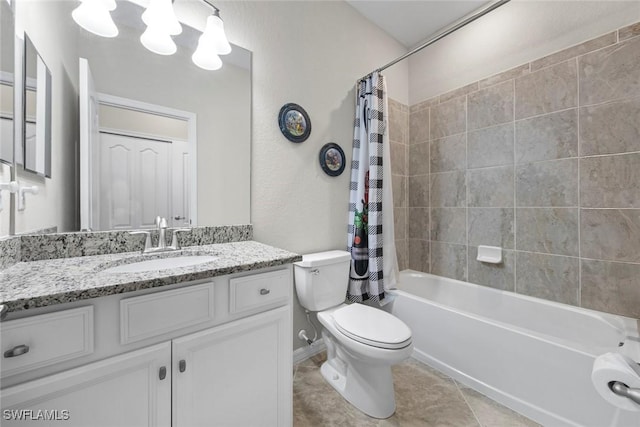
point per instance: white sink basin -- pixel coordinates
(161, 264)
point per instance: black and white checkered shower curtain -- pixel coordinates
(365, 241)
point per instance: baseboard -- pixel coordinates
(303, 353)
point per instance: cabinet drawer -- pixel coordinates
(166, 311)
(259, 290)
(46, 339)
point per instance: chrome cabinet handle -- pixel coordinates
(162, 373)
(16, 351)
(182, 365)
(264, 291)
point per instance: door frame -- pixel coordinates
(192, 140)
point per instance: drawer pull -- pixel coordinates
(264, 291)
(162, 373)
(18, 350)
(182, 365)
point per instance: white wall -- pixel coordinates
(512, 35)
(310, 53)
(56, 204)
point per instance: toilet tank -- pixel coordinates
(322, 279)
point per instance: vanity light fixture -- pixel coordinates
(161, 25)
(212, 42)
(95, 17)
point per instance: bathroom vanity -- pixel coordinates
(206, 344)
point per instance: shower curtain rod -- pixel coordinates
(455, 27)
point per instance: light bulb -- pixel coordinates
(205, 56)
(160, 13)
(214, 31)
(94, 16)
(158, 41)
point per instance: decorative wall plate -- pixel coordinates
(294, 122)
(332, 159)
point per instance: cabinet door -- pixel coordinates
(237, 374)
(124, 390)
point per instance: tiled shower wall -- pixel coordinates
(542, 160)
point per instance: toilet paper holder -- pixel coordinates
(621, 389)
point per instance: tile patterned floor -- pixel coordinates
(424, 397)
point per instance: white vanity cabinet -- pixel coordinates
(217, 366)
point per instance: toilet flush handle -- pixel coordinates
(315, 271)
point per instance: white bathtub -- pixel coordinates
(532, 355)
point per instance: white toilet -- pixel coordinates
(362, 341)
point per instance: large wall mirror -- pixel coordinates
(164, 137)
(7, 40)
(37, 112)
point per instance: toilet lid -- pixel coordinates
(372, 326)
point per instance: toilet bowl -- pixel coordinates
(362, 342)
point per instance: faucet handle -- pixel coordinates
(174, 240)
(147, 241)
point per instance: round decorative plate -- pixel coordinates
(332, 159)
(294, 122)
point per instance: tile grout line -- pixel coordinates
(464, 398)
(430, 265)
(466, 182)
(515, 207)
(579, 295)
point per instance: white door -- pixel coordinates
(238, 374)
(135, 181)
(89, 137)
(123, 390)
(181, 179)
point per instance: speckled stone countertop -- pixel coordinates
(34, 284)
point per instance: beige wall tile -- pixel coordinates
(504, 76)
(449, 225)
(402, 251)
(425, 104)
(419, 255)
(419, 126)
(547, 184)
(548, 137)
(547, 90)
(577, 50)
(610, 128)
(419, 159)
(418, 226)
(548, 230)
(610, 181)
(399, 188)
(459, 92)
(419, 191)
(448, 153)
(398, 158)
(491, 227)
(491, 146)
(629, 31)
(491, 187)
(612, 287)
(550, 277)
(610, 234)
(449, 118)
(449, 260)
(491, 106)
(400, 223)
(499, 276)
(448, 190)
(610, 73)
(398, 115)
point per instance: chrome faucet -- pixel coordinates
(161, 225)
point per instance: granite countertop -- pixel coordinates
(34, 284)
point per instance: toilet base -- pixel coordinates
(367, 386)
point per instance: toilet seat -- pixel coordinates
(372, 326)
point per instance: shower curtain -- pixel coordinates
(371, 241)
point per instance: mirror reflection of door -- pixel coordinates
(7, 40)
(139, 162)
